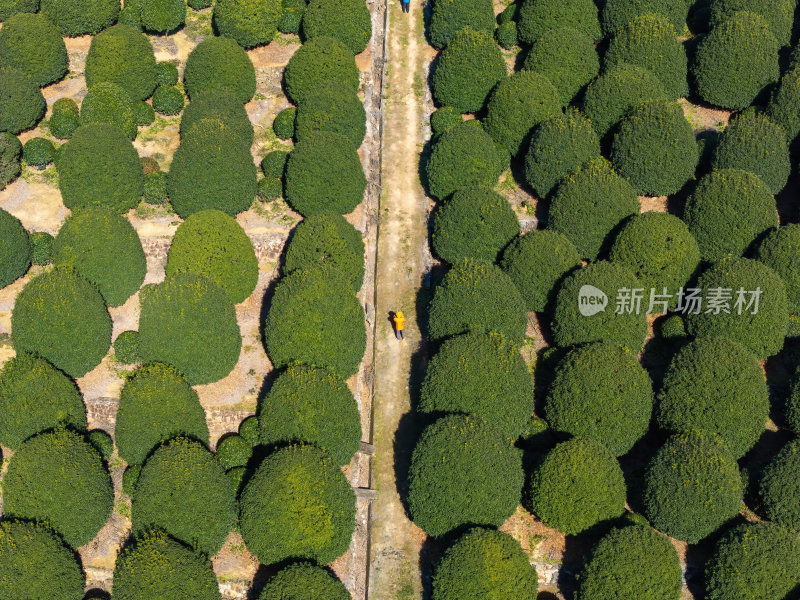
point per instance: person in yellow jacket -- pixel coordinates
(399, 325)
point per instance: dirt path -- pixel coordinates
(402, 261)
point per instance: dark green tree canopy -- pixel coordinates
(64, 119)
(297, 504)
(778, 487)
(124, 56)
(10, 166)
(219, 63)
(778, 15)
(59, 479)
(692, 486)
(727, 211)
(616, 14)
(315, 319)
(784, 106)
(446, 491)
(8, 8)
(449, 17)
(34, 397)
(316, 63)
(614, 411)
(536, 17)
(23, 104)
(156, 404)
(168, 100)
(347, 21)
(273, 165)
(15, 249)
(33, 45)
(578, 485)
(312, 406)
(104, 248)
(779, 251)
(183, 490)
(304, 580)
(443, 119)
(590, 204)
(234, 452)
(249, 22)
(473, 223)
(166, 73)
(477, 296)
(630, 563)
(219, 104)
(82, 17)
(331, 107)
(483, 564)
(61, 317)
(159, 16)
(467, 71)
(763, 332)
(38, 152)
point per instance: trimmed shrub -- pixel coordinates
(156, 404)
(35, 564)
(269, 189)
(537, 262)
(480, 374)
(655, 149)
(126, 348)
(129, 478)
(567, 58)
(108, 103)
(445, 491)
(324, 175)
(449, 17)
(184, 491)
(570, 327)
(248, 429)
(15, 249)
(630, 562)
(778, 487)
(784, 106)
(211, 169)
(616, 92)
(443, 119)
(298, 504)
(467, 71)
(672, 328)
(130, 15)
(166, 73)
(104, 248)
(81, 18)
(752, 142)
(273, 164)
(315, 319)
(190, 322)
(143, 114)
(728, 210)
(284, 122)
(59, 479)
(536, 17)
(161, 16)
(348, 22)
(311, 406)
(156, 567)
(301, 580)
(100, 167)
(762, 333)
(222, 105)
(64, 119)
(578, 485)
(616, 14)
(754, 561)
(23, 104)
(590, 204)
(61, 317)
(473, 223)
(315, 64)
(506, 34)
(33, 45)
(124, 56)
(249, 22)
(736, 61)
(463, 157)
(692, 486)
(212, 244)
(332, 107)
(102, 442)
(716, 386)
(155, 188)
(649, 41)
(13, 7)
(659, 249)
(518, 104)
(42, 248)
(233, 451)
(291, 20)
(38, 152)
(485, 563)
(778, 15)
(219, 63)
(612, 411)
(167, 100)
(779, 251)
(34, 397)
(477, 296)
(329, 243)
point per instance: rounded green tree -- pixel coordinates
(32, 44)
(160, 16)
(485, 564)
(784, 106)
(219, 63)
(778, 487)
(249, 22)
(168, 100)
(778, 251)
(124, 56)
(23, 104)
(38, 152)
(692, 486)
(64, 119)
(443, 119)
(8, 8)
(778, 15)
(297, 504)
(166, 73)
(219, 104)
(317, 63)
(10, 153)
(59, 479)
(82, 17)
(347, 21)
(445, 491)
(332, 107)
(616, 14)
(15, 249)
(303, 580)
(315, 319)
(312, 406)
(536, 17)
(449, 17)
(61, 317)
